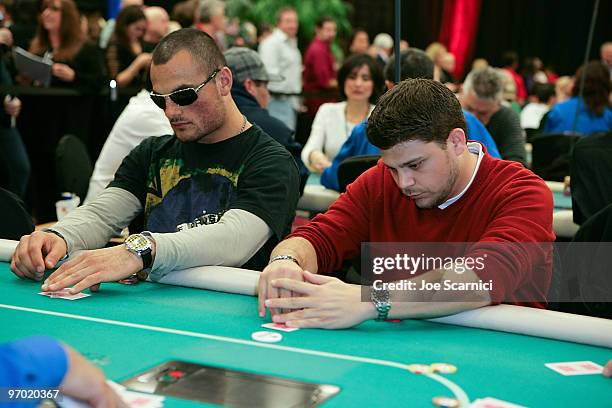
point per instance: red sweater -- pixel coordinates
(505, 204)
(319, 69)
(521, 90)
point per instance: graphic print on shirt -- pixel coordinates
(180, 198)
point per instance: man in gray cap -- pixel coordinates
(250, 92)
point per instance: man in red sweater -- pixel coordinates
(320, 65)
(429, 186)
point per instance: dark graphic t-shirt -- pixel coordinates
(184, 185)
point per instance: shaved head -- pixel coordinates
(157, 24)
(154, 13)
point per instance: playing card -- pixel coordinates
(576, 368)
(68, 402)
(279, 326)
(140, 400)
(137, 399)
(64, 294)
(493, 403)
(131, 399)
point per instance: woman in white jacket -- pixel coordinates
(360, 83)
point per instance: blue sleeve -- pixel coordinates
(329, 178)
(552, 121)
(478, 132)
(37, 362)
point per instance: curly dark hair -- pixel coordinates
(597, 86)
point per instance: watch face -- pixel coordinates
(138, 243)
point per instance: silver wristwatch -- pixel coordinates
(141, 246)
(382, 302)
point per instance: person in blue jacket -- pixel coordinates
(594, 115)
(38, 363)
(414, 64)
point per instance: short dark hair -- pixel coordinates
(184, 12)
(283, 10)
(543, 91)
(200, 45)
(356, 31)
(415, 109)
(354, 62)
(322, 20)
(414, 63)
(509, 58)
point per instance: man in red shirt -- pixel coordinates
(320, 65)
(510, 62)
(429, 186)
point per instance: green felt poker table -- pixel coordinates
(561, 201)
(128, 329)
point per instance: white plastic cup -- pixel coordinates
(63, 207)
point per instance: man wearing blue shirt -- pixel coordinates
(45, 363)
(414, 64)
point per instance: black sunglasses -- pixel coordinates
(182, 97)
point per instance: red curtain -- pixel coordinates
(458, 31)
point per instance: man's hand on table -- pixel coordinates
(87, 383)
(321, 302)
(91, 268)
(37, 252)
(286, 269)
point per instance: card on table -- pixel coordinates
(279, 326)
(132, 399)
(64, 294)
(576, 368)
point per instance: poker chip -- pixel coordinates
(419, 368)
(130, 280)
(445, 402)
(267, 336)
(443, 368)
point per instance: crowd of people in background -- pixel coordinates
(334, 88)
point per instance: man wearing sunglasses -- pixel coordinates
(219, 191)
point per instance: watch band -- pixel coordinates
(284, 258)
(383, 312)
(381, 299)
(148, 262)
